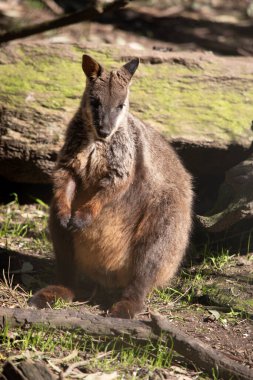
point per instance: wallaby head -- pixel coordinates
(105, 103)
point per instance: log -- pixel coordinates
(192, 349)
(200, 102)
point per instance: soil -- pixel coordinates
(232, 338)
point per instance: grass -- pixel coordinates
(123, 354)
(192, 282)
(216, 260)
(208, 284)
(25, 226)
(12, 295)
(8, 227)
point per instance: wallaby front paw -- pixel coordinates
(125, 309)
(80, 220)
(64, 219)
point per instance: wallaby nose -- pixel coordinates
(103, 133)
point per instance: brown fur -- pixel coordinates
(121, 212)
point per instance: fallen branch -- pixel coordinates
(192, 349)
(90, 12)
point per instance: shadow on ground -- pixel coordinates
(34, 272)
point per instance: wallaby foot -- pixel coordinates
(47, 296)
(125, 309)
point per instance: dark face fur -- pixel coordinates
(106, 96)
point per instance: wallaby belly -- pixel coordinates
(102, 251)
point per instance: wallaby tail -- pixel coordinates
(46, 297)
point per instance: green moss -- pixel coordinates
(178, 100)
(183, 105)
(42, 80)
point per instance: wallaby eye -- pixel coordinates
(120, 107)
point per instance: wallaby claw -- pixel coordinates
(64, 220)
(80, 221)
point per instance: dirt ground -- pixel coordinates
(189, 303)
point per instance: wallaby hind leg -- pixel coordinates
(157, 256)
(144, 279)
(65, 266)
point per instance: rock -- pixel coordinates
(200, 102)
(235, 199)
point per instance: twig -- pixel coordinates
(55, 367)
(67, 358)
(90, 12)
(182, 295)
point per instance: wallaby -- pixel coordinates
(122, 203)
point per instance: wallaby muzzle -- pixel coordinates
(103, 132)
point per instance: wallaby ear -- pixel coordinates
(92, 69)
(131, 66)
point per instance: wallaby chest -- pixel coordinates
(91, 164)
(100, 160)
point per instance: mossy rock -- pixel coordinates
(233, 210)
(196, 100)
